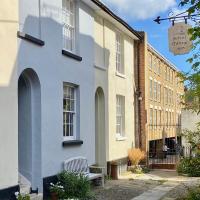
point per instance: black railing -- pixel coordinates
(165, 144)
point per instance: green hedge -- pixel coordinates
(193, 194)
(189, 166)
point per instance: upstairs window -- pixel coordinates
(119, 54)
(155, 65)
(151, 89)
(165, 72)
(166, 95)
(159, 92)
(155, 117)
(159, 67)
(69, 112)
(120, 116)
(160, 117)
(68, 7)
(150, 61)
(155, 90)
(151, 117)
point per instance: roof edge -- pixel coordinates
(163, 57)
(120, 20)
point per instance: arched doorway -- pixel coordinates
(100, 144)
(29, 128)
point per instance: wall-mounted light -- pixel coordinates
(140, 98)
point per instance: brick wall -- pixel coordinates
(142, 50)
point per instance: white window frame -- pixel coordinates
(120, 114)
(73, 112)
(69, 25)
(119, 55)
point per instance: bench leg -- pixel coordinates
(102, 179)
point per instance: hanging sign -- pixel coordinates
(179, 39)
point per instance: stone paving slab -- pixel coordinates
(158, 192)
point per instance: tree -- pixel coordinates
(192, 78)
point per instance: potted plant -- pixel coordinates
(22, 196)
(56, 190)
(135, 156)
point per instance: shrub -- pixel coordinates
(22, 196)
(189, 166)
(136, 156)
(75, 186)
(193, 194)
(139, 169)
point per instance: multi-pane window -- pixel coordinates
(166, 95)
(172, 76)
(159, 92)
(150, 61)
(155, 90)
(69, 25)
(151, 88)
(160, 117)
(165, 72)
(69, 111)
(168, 74)
(155, 65)
(120, 115)
(166, 118)
(151, 117)
(172, 97)
(159, 67)
(155, 117)
(169, 96)
(119, 54)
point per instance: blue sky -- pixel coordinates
(140, 15)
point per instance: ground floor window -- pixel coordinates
(69, 112)
(120, 115)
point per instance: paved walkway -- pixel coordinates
(158, 192)
(156, 185)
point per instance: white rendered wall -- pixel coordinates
(53, 69)
(8, 94)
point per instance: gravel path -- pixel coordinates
(124, 189)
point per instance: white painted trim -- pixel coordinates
(120, 75)
(100, 67)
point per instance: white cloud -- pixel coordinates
(140, 9)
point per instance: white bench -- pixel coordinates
(80, 165)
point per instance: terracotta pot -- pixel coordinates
(54, 196)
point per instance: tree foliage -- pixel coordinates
(192, 78)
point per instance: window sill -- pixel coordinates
(30, 38)
(120, 75)
(121, 138)
(71, 55)
(72, 143)
(100, 67)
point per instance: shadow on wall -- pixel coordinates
(28, 76)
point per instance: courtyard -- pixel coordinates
(156, 185)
